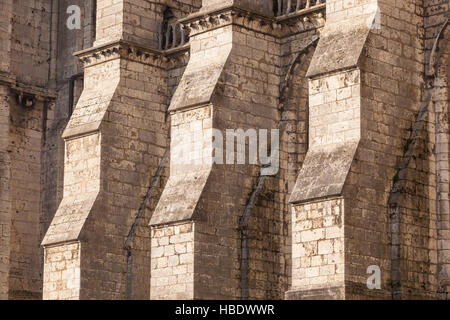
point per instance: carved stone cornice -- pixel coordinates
(24, 89)
(126, 50)
(200, 22)
(278, 27)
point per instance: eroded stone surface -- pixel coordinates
(91, 185)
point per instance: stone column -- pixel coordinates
(366, 80)
(115, 140)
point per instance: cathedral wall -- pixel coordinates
(270, 223)
(67, 76)
(5, 37)
(392, 88)
(318, 249)
(62, 277)
(34, 132)
(256, 71)
(382, 41)
(25, 147)
(247, 97)
(30, 41)
(173, 262)
(29, 57)
(437, 39)
(5, 199)
(368, 132)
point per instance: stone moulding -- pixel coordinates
(313, 18)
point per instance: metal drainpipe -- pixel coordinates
(244, 220)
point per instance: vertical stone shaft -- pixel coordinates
(442, 146)
(5, 174)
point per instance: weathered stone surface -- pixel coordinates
(324, 172)
(94, 150)
(264, 7)
(341, 44)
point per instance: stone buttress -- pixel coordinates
(357, 204)
(195, 241)
(232, 82)
(115, 140)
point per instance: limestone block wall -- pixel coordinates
(33, 133)
(114, 21)
(363, 115)
(21, 143)
(213, 251)
(131, 119)
(318, 226)
(127, 122)
(172, 262)
(25, 147)
(5, 38)
(389, 92)
(393, 91)
(441, 109)
(29, 60)
(334, 109)
(135, 139)
(67, 74)
(296, 53)
(136, 21)
(244, 88)
(62, 276)
(5, 204)
(30, 41)
(174, 78)
(237, 89)
(82, 185)
(250, 77)
(264, 7)
(318, 247)
(270, 232)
